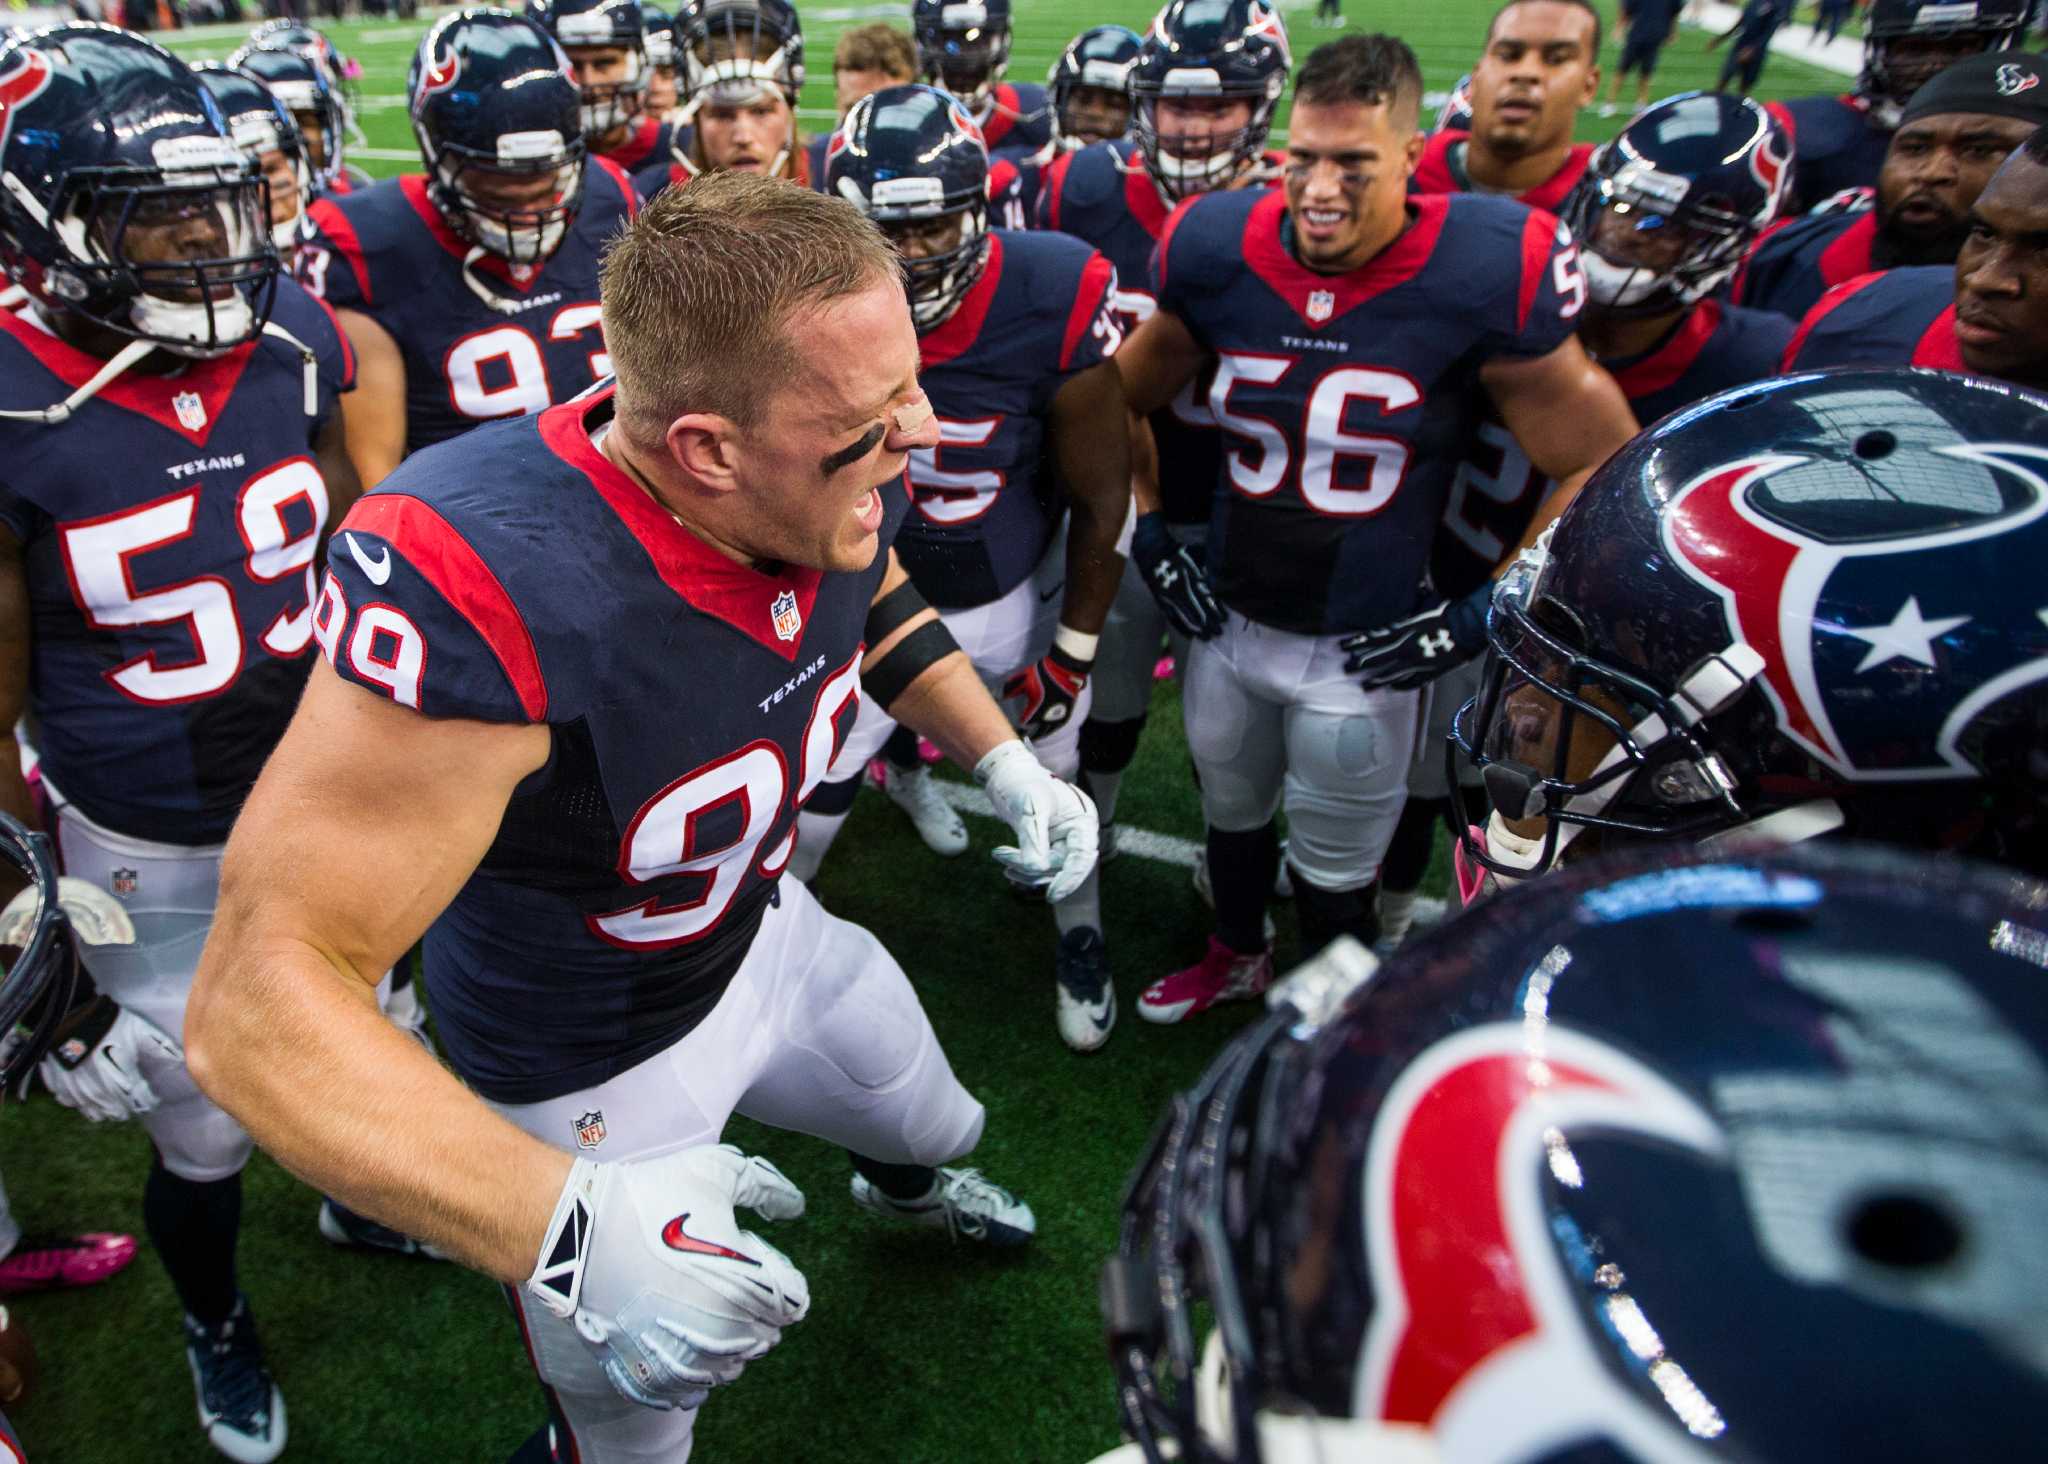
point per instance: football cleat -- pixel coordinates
(918, 795)
(1221, 975)
(241, 1410)
(1087, 999)
(342, 1226)
(50, 1263)
(960, 1201)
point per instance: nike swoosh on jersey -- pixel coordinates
(676, 1238)
(378, 569)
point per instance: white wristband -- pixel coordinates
(557, 1279)
(1076, 643)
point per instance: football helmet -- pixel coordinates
(1665, 212)
(1891, 27)
(41, 978)
(621, 24)
(1802, 605)
(1456, 112)
(728, 50)
(261, 125)
(114, 160)
(313, 98)
(909, 157)
(1676, 1158)
(1208, 48)
(659, 36)
(491, 93)
(963, 46)
(1099, 58)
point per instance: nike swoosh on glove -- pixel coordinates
(1177, 579)
(101, 1060)
(1055, 823)
(1414, 652)
(665, 1288)
(1049, 688)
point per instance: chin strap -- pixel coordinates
(476, 284)
(308, 362)
(51, 416)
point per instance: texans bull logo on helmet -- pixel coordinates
(22, 83)
(442, 70)
(1854, 695)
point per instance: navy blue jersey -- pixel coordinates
(694, 704)
(1903, 317)
(813, 162)
(1019, 117)
(1103, 196)
(169, 531)
(1759, 21)
(1796, 261)
(647, 141)
(1015, 179)
(1347, 401)
(986, 502)
(387, 252)
(1836, 145)
(1650, 21)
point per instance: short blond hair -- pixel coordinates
(876, 46)
(699, 289)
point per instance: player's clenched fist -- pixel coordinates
(650, 1261)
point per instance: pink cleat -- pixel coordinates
(1221, 975)
(46, 1263)
(928, 753)
(1163, 669)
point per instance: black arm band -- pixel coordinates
(889, 613)
(907, 660)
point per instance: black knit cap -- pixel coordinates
(1998, 84)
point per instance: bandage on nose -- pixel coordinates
(912, 416)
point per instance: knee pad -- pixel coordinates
(197, 1140)
(1110, 747)
(1347, 780)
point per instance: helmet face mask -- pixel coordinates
(519, 233)
(939, 280)
(606, 41)
(1089, 87)
(729, 52)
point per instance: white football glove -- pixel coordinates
(648, 1258)
(103, 1057)
(1055, 823)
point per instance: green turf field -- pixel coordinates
(914, 1351)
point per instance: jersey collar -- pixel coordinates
(1321, 298)
(205, 385)
(414, 186)
(641, 143)
(954, 336)
(707, 580)
(1937, 345)
(1665, 363)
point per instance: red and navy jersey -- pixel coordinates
(1836, 145)
(1442, 170)
(1902, 317)
(666, 172)
(1015, 179)
(694, 703)
(647, 141)
(813, 161)
(388, 253)
(1103, 196)
(985, 500)
(1714, 348)
(1019, 117)
(169, 531)
(1796, 261)
(1347, 401)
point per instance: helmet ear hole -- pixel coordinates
(1873, 446)
(1903, 1232)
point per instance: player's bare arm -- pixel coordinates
(1567, 414)
(373, 415)
(14, 662)
(1160, 358)
(1092, 442)
(327, 883)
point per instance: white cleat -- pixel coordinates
(1087, 999)
(917, 794)
(960, 1202)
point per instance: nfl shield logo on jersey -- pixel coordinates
(590, 1129)
(1320, 304)
(122, 882)
(191, 411)
(788, 619)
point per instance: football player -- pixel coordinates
(1203, 89)
(1751, 32)
(606, 41)
(1540, 67)
(1014, 332)
(470, 291)
(1652, 24)
(585, 670)
(1951, 138)
(1988, 315)
(1090, 100)
(964, 48)
(1839, 142)
(659, 37)
(865, 59)
(1802, 608)
(742, 70)
(1357, 332)
(314, 99)
(159, 626)
(268, 137)
(1659, 1160)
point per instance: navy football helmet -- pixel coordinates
(659, 36)
(909, 157)
(1665, 212)
(609, 24)
(963, 46)
(727, 51)
(115, 165)
(261, 125)
(313, 98)
(40, 979)
(1676, 1158)
(491, 93)
(1455, 115)
(1907, 43)
(1098, 59)
(1804, 605)
(1208, 48)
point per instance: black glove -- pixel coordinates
(1414, 652)
(1176, 579)
(1048, 687)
